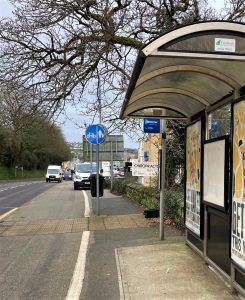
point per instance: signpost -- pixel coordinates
(159, 126)
(96, 134)
(162, 170)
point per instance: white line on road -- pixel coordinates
(87, 205)
(6, 187)
(8, 213)
(78, 275)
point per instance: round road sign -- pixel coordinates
(95, 134)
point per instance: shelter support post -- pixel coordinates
(162, 170)
(205, 237)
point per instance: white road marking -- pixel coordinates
(87, 205)
(78, 275)
(6, 187)
(8, 213)
(119, 275)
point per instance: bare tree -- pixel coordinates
(16, 106)
(82, 51)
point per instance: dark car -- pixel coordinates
(67, 175)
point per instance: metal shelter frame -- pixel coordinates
(186, 74)
(183, 72)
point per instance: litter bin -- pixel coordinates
(93, 187)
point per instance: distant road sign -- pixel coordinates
(112, 145)
(95, 134)
(152, 125)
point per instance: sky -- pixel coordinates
(5, 8)
(71, 131)
(69, 127)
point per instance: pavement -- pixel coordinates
(167, 269)
(126, 259)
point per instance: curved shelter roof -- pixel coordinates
(187, 70)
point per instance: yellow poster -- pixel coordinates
(238, 185)
(193, 171)
(239, 151)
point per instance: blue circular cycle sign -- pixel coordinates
(95, 134)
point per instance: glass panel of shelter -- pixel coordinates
(218, 125)
(219, 122)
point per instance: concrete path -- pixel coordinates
(167, 271)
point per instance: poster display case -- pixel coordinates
(193, 205)
(238, 185)
(216, 172)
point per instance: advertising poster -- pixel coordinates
(193, 183)
(238, 186)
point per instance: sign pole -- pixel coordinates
(95, 134)
(111, 165)
(91, 155)
(97, 180)
(162, 191)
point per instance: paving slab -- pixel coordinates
(167, 271)
(73, 225)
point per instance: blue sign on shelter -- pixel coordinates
(152, 125)
(95, 134)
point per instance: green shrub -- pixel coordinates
(119, 185)
(149, 198)
(145, 196)
(174, 206)
(107, 183)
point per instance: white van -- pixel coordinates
(82, 172)
(54, 173)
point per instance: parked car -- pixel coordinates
(67, 175)
(118, 172)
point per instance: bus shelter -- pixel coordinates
(197, 73)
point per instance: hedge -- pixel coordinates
(149, 197)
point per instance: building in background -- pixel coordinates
(148, 152)
(76, 151)
(81, 152)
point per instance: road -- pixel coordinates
(39, 265)
(54, 247)
(15, 194)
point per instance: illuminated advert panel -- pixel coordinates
(193, 181)
(238, 186)
(216, 169)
